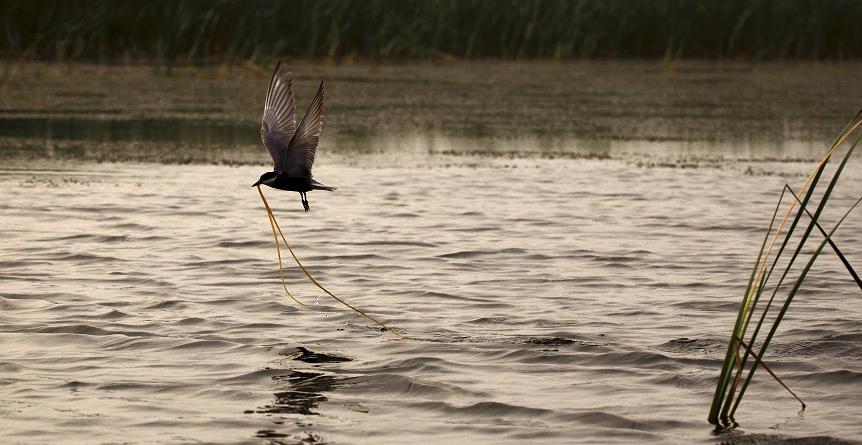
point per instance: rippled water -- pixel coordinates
(549, 300)
(554, 290)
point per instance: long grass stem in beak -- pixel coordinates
(274, 225)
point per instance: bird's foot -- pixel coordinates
(306, 206)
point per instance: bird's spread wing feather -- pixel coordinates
(303, 145)
(278, 124)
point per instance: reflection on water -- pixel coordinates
(173, 140)
(299, 393)
(154, 129)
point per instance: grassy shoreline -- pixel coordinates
(587, 100)
(193, 31)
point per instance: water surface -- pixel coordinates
(568, 289)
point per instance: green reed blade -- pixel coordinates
(752, 297)
(752, 293)
(787, 302)
(790, 232)
(812, 181)
(765, 278)
(802, 276)
(730, 357)
(831, 243)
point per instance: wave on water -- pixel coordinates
(545, 311)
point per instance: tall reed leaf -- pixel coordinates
(725, 400)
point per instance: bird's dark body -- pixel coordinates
(296, 184)
(292, 147)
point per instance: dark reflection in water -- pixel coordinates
(269, 434)
(178, 140)
(276, 438)
(300, 392)
(765, 439)
(152, 129)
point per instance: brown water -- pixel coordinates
(558, 289)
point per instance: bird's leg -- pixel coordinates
(304, 202)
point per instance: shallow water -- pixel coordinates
(141, 303)
(582, 293)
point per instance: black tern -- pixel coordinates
(292, 148)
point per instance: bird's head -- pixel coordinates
(265, 178)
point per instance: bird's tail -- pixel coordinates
(318, 186)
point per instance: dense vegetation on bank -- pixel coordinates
(204, 31)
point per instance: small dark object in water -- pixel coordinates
(292, 148)
(550, 341)
(316, 357)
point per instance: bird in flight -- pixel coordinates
(292, 148)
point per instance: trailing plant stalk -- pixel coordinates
(280, 267)
(314, 281)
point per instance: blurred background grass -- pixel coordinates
(228, 31)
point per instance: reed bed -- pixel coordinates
(788, 242)
(198, 31)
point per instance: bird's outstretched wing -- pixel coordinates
(303, 144)
(278, 124)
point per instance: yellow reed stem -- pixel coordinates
(311, 279)
(280, 267)
(278, 252)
